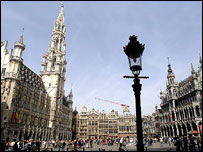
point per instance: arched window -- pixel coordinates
(56, 43)
(197, 111)
(53, 63)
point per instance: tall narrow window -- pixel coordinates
(56, 43)
(3, 71)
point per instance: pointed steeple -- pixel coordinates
(200, 60)
(59, 32)
(61, 14)
(71, 93)
(21, 39)
(170, 76)
(19, 46)
(192, 69)
(169, 67)
(55, 60)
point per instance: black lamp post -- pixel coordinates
(134, 51)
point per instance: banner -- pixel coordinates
(15, 116)
(171, 118)
(63, 100)
(200, 127)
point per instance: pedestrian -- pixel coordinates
(162, 142)
(21, 145)
(25, 145)
(15, 146)
(181, 143)
(185, 142)
(46, 144)
(169, 141)
(12, 144)
(63, 145)
(8, 145)
(151, 141)
(38, 145)
(91, 142)
(75, 144)
(58, 145)
(177, 144)
(3, 145)
(192, 144)
(198, 143)
(145, 143)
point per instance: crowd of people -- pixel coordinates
(191, 143)
(183, 143)
(60, 145)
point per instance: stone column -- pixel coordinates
(172, 130)
(32, 133)
(23, 134)
(161, 132)
(197, 123)
(5, 134)
(195, 114)
(177, 130)
(17, 136)
(186, 127)
(189, 113)
(11, 134)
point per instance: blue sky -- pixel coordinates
(95, 35)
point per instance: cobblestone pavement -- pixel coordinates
(154, 147)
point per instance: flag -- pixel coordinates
(171, 118)
(64, 100)
(16, 117)
(59, 97)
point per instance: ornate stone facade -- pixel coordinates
(127, 125)
(148, 124)
(181, 109)
(32, 106)
(95, 125)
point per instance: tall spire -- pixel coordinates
(200, 59)
(192, 69)
(20, 42)
(170, 76)
(61, 14)
(169, 67)
(21, 37)
(71, 93)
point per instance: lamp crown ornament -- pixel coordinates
(134, 49)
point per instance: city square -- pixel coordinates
(86, 76)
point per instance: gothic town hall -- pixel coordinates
(35, 106)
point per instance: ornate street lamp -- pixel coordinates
(134, 51)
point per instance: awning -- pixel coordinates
(130, 135)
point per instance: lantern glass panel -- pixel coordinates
(135, 64)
